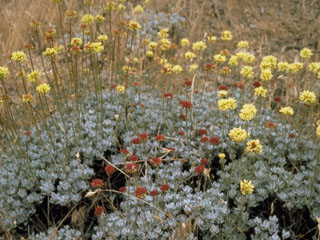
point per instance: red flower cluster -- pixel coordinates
(202, 131)
(209, 67)
(97, 183)
(168, 95)
(199, 169)
(154, 193)
(186, 104)
(291, 135)
(155, 161)
(109, 169)
(271, 125)
(223, 87)
(181, 133)
(187, 82)
(257, 84)
(159, 138)
(143, 137)
(136, 141)
(98, 211)
(204, 139)
(140, 192)
(27, 133)
(238, 85)
(165, 187)
(204, 161)
(125, 151)
(277, 99)
(131, 168)
(214, 140)
(133, 158)
(182, 116)
(122, 189)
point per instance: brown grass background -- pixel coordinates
(270, 25)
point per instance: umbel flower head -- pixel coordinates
(260, 91)
(248, 112)
(43, 88)
(197, 46)
(3, 72)
(254, 146)
(308, 97)
(306, 53)
(18, 56)
(26, 98)
(226, 36)
(134, 26)
(120, 89)
(286, 111)
(246, 187)
(140, 192)
(247, 72)
(238, 134)
(227, 104)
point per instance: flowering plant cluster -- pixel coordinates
(113, 145)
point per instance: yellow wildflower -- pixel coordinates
(295, 67)
(163, 33)
(96, 47)
(177, 69)
(26, 98)
(153, 45)
(43, 88)
(222, 155)
(266, 74)
(246, 187)
(184, 42)
(193, 67)
(308, 97)
(283, 66)
(227, 104)
(226, 36)
(233, 60)
(18, 56)
(120, 89)
(248, 112)
(260, 91)
(189, 55)
(110, 6)
(50, 52)
(306, 53)
(76, 42)
(1, 100)
(149, 54)
(100, 19)
(121, 7)
(269, 62)
(33, 76)
(199, 46)
(134, 26)
(314, 67)
(222, 93)
(3, 72)
(254, 146)
(218, 58)
(286, 111)
(165, 44)
(138, 9)
(247, 72)
(88, 19)
(103, 38)
(238, 134)
(243, 44)
(212, 39)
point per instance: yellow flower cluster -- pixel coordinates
(121, 7)
(1, 100)
(193, 67)
(102, 38)
(248, 112)
(246, 187)
(165, 44)
(238, 134)
(96, 47)
(43, 88)
(153, 45)
(254, 146)
(177, 69)
(88, 19)
(99, 19)
(260, 91)
(266, 74)
(286, 111)
(189, 55)
(295, 67)
(247, 57)
(243, 44)
(110, 6)
(233, 60)
(76, 42)
(227, 104)
(163, 33)
(308, 97)
(222, 93)
(283, 66)
(134, 26)
(247, 72)
(198, 46)
(226, 36)
(221, 155)
(50, 52)
(306, 53)
(149, 54)
(184, 42)
(212, 39)
(314, 67)
(138, 9)
(120, 89)
(268, 62)
(26, 98)
(33, 76)
(218, 58)
(3, 72)
(18, 56)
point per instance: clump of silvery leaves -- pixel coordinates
(283, 175)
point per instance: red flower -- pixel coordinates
(132, 168)
(238, 85)
(277, 99)
(28, 46)
(182, 116)
(181, 133)
(125, 151)
(209, 67)
(98, 211)
(113, 85)
(214, 140)
(271, 125)
(143, 137)
(97, 183)
(168, 95)
(133, 158)
(155, 161)
(291, 135)
(257, 84)
(27, 133)
(202, 131)
(154, 193)
(159, 138)
(140, 192)
(204, 161)
(109, 169)
(136, 141)
(199, 169)
(204, 139)
(187, 82)
(186, 104)
(122, 189)
(223, 87)
(165, 187)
